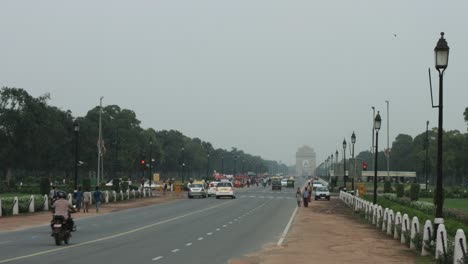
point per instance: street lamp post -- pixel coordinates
(222, 165)
(183, 164)
(344, 164)
(331, 167)
(377, 124)
(207, 165)
(353, 141)
(426, 147)
(150, 167)
(388, 138)
(76, 128)
(336, 165)
(441, 52)
(235, 166)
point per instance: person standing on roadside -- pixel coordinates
(298, 196)
(305, 197)
(52, 195)
(86, 200)
(79, 199)
(97, 198)
(309, 187)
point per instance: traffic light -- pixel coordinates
(364, 166)
(143, 164)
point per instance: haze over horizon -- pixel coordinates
(263, 76)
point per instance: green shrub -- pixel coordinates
(125, 186)
(387, 187)
(426, 194)
(44, 186)
(133, 187)
(418, 241)
(400, 189)
(414, 192)
(86, 184)
(116, 185)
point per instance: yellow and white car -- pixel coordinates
(225, 189)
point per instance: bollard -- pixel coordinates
(405, 227)
(15, 208)
(121, 195)
(114, 194)
(128, 194)
(133, 193)
(70, 198)
(46, 202)
(385, 220)
(397, 225)
(441, 243)
(374, 212)
(31, 204)
(459, 253)
(414, 231)
(106, 198)
(390, 222)
(427, 237)
(379, 216)
(0, 207)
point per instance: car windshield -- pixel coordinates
(196, 186)
(224, 184)
(322, 189)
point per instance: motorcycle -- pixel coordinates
(62, 228)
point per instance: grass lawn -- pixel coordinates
(461, 204)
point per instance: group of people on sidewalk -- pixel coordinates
(304, 196)
(83, 198)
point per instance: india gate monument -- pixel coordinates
(305, 162)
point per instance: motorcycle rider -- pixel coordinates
(62, 207)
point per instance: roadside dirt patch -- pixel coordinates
(327, 232)
(11, 223)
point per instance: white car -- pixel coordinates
(198, 190)
(322, 193)
(212, 188)
(225, 189)
(316, 184)
(284, 182)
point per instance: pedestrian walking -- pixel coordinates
(79, 199)
(97, 198)
(309, 187)
(305, 197)
(86, 200)
(299, 196)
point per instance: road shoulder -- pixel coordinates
(327, 232)
(23, 221)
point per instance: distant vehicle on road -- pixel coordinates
(316, 184)
(197, 189)
(212, 188)
(284, 182)
(276, 184)
(322, 192)
(225, 189)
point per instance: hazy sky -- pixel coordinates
(265, 76)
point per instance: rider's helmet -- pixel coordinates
(61, 195)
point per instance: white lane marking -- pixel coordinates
(4, 242)
(224, 225)
(252, 196)
(188, 244)
(175, 250)
(217, 229)
(286, 229)
(110, 237)
(209, 234)
(158, 258)
(200, 238)
(34, 237)
(230, 223)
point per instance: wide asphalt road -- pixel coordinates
(185, 231)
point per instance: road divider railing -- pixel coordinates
(37, 203)
(409, 233)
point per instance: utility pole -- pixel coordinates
(99, 168)
(388, 139)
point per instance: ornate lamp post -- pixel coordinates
(76, 128)
(353, 141)
(441, 52)
(344, 164)
(377, 125)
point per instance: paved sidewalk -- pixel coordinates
(327, 232)
(22, 221)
